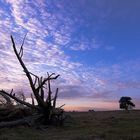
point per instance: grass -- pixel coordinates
(105, 125)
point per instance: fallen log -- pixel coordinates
(14, 123)
(14, 113)
(26, 121)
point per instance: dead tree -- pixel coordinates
(45, 106)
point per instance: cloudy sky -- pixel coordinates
(93, 44)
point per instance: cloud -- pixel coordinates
(103, 82)
(55, 22)
(39, 56)
(85, 44)
(97, 88)
(53, 29)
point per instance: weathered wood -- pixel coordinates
(14, 123)
(39, 100)
(46, 106)
(18, 100)
(8, 113)
(28, 121)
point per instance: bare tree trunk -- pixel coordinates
(47, 106)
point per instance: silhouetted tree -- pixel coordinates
(126, 103)
(46, 105)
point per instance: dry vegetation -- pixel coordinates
(108, 125)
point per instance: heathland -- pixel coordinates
(100, 125)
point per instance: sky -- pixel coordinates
(93, 44)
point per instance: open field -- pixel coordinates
(104, 125)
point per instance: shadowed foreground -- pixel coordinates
(106, 125)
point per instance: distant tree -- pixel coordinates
(126, 103)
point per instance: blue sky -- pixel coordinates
(92, 44)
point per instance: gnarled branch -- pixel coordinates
(17, 99)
